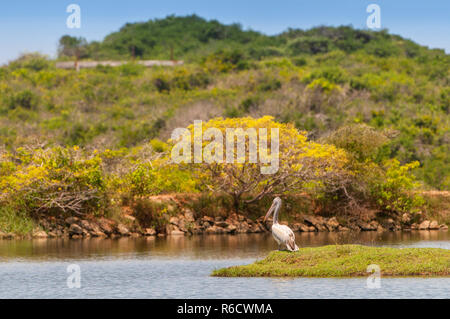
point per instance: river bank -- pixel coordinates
(185, 223)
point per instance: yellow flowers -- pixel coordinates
(44, 172)
(299, 160)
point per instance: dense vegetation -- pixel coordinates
(380, 98)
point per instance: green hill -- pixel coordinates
(190, 37)
(320, 79)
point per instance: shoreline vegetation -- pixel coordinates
(188, 214)
(346, 261)
(362, 119)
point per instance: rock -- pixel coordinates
(74, 229)
(343, 228)
(414, 226)
(316, 221)
(170, 229)
(129, 217)
(149, 232)
(231, 229)
(366, 226)
(86, 233)
(263, 226)
(208, 220)
(177, 233)
(253, 229)
(406, 218)
(184, 225)
(443, 227)
(243, 227)
(392, 225)
(332, 224)
(260, 228)
(434, 225)
(106, 226)
(2, 235)
(76, 237)
(353, 227)
(312, 229)
(122, 230)
(375, 225)
(197, 230)
(10, 236)
(222, 224)
(380, 228)
(174, 220)
(97, 234)
(85, 224)
(424, 225)
(189, 216)
(91, 228)
(40, 234)
(71, 220)
(302, 228)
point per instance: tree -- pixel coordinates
(299, 161)
(72, 47)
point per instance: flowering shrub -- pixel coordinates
(393, 191)
(299, 160)
(151, 179)
(59, 180)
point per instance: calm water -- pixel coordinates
(179, 267)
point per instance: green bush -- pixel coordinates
(299, 61)
(151, 214)
(25, 99)
(360, 140)
(333, 75)
(393, 192)
(226, 60)
(31, 61)
(310, 46)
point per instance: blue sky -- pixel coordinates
(27, 26)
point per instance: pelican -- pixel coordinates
(283, 235)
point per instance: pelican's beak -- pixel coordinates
(269, 211)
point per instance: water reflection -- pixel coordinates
(204, 247)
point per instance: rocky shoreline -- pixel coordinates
(184, 224)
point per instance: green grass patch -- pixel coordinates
(346, 261)
(16, 222)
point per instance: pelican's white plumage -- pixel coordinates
(283, 235)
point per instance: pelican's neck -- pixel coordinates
(275, 214)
